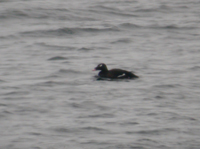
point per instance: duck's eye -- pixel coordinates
(100, 65)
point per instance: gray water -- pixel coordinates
(51, 99)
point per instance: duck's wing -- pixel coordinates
(117, 73)
(120, 74)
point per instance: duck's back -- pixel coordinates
(120, 74)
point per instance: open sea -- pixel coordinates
(51, 99)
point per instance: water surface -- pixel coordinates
(50, 97)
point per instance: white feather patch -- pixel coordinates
(121, 75)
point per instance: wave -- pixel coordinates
(41, 13)
(2, 81)
(154, 26)
(105, 115)
(85, 49)
(58, 74)
(4, 1)
(171, 26)
(167, 86)
(68, 71)
(35, 133)
(122, 40)
(17, 93)
(115, 13)
(62, 32)
(55, 47)
(109, 10)
(67, 31)
(31, 12)
(134, 12)
(161, 8)
(3, 105)
(57, 58)
(129, 25)
(153, 132)
(50, 83)
(80, 130)
(12, 14)
(8, 37)
(195, 68)
(94, 128)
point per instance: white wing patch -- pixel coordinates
(121, 75)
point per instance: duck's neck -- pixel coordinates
(104, 70)
(103, 73)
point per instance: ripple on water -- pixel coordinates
(2, 81)
(54, 47)
(68, 71)
(122, 40)
(85, 49)
(103, 115)
(164, 86)
(195, 68)
(67, 31)
(154, 132)
(16, 95)
(57, 58)
(155, 26)
(50, 83)
(80, 130)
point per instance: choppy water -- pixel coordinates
(50, 98)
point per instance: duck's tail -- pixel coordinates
(132, 75)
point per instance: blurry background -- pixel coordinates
(50, 99)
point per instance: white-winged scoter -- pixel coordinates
(114, 73)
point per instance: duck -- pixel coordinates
(114, 73)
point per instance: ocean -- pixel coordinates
(51, 98)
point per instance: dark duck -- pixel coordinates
(114, 73)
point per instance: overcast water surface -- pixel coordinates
(51, 99)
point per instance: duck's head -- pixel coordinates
(101, 66)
